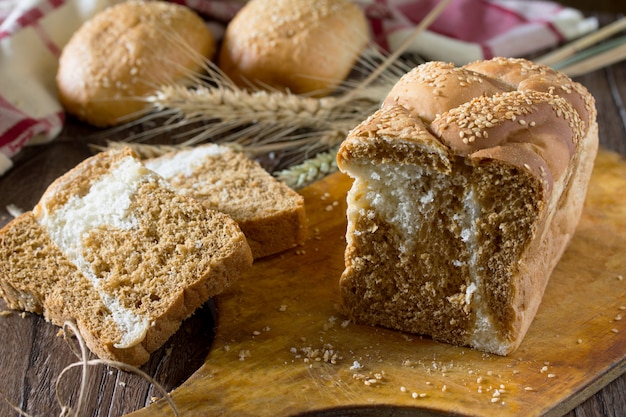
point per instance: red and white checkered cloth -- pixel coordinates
(33, 32)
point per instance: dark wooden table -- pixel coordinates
(32, 355)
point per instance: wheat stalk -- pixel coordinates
(310, 170)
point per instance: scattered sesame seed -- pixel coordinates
(614, 330)
(551, 375)
(544, 369)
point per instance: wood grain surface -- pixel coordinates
(32, 355)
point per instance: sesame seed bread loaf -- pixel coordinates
(468, 185)
(112, 247)
(271, 215)
(300, 46)
(125, 53)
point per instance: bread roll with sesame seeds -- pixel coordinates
(125, 53)
(299, 46)
(468, 186)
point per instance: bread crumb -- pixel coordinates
(14, 210)
(243, 354)
(283, 307)
(371, 378)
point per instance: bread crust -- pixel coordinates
(296, 45)
(125, 53)
(477, 140)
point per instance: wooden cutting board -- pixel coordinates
(281, 348)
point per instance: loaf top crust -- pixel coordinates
(508, 109)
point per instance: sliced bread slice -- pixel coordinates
(271, 215)
(112, 247)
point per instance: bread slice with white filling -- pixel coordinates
(468, 185)
(271, 215)
(113, 248)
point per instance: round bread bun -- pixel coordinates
(300, 46)
(126, 52)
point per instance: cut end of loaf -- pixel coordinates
(432, 252)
